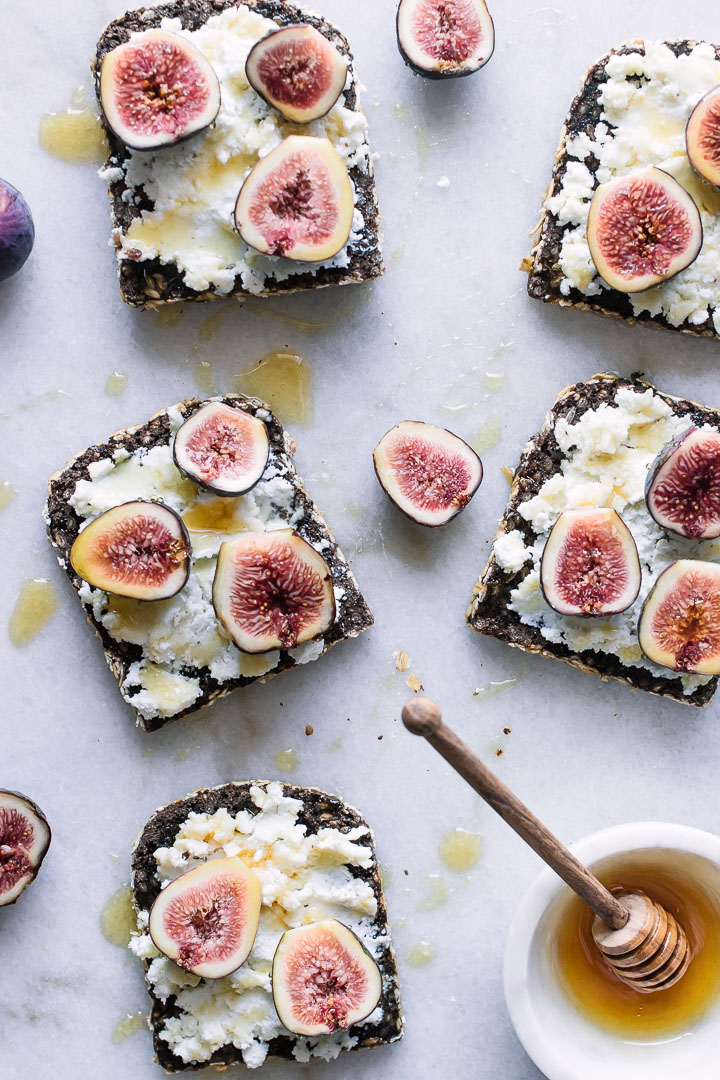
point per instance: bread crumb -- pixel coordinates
(402, 660)
(309, 729)
(506, 730)
(507, 473)
(414, 683)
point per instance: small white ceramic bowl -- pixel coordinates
(560, 1040)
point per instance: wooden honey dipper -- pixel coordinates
(641, 941)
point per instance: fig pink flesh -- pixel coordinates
(449, 31)
(590, 564)
(223, 447)
(703, 137)
(642, 229)
(158, 88)
(685, 493)
(272, 590)
(424, 475)
(209, 919)
(296, 204)
(17, 836)
(324, 980)
(137, 551)
(680, 624)
(296, 73)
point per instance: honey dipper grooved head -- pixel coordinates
(649, 953)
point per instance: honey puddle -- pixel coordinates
(685, 885)
(420, 954)
(35, 604)
(75, 135)
(169, 316)
(129, 1024)
(217, 516)
(117, 918)
(7, 493)
(461, 850)
(116, 384)
(435, 893)
(286, 761)
(282, 379)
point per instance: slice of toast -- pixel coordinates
(130, 658)
(541, 460)
(583, 135)
(319, 811)
(149, 282)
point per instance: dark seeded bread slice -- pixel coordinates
(63, 524)
(543, 263)
(150, 283)
(489, 612)
(320, 811)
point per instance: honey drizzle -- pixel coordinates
(283, 380)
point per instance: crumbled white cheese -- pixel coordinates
(304, 877)
(510, 550)
(607, 453)
(183, 631)
(194, 184)
(644, 125)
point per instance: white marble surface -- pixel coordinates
(451, 308)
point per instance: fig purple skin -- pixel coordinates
(17, 232)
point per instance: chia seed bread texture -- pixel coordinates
(151, 283)
(320, 811)
(489, 612)
(63, 525)
(542, 265)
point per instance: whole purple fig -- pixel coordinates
(17, 232)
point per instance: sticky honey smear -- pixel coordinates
(36, 603)
(461, 850)
(283, 380)
(76, 134)
(117, 918)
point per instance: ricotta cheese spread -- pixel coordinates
(646, 102)
(181, 635)
(606, 455)
(305, 877)
(194, 184)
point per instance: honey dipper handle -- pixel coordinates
(421, 716)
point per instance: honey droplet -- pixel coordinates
(420, 954)
(435, 893)
(210, 326)
(494, 379)
(169, 316)
(286, 761)
(283, 380)
(7, 493)
(35, 604)
(129, 1024)
(205, 377)
(116, 383)
(75, 135)
(488, 436)
(461, 849)
(117, 918)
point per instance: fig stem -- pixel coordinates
(422, 716)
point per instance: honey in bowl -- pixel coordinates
(688, 886)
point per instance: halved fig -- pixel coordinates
(323, 979)
(702, 137)
(223, 448)
(429, 473)
(297, 71)
(156, 89)
(24, 840)
(207, 919)
(138, 549)
(444, 39)
(642, 229)
(272, 591)
(682, 490)
(590, 563)
(679, 626)
(297, 202)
